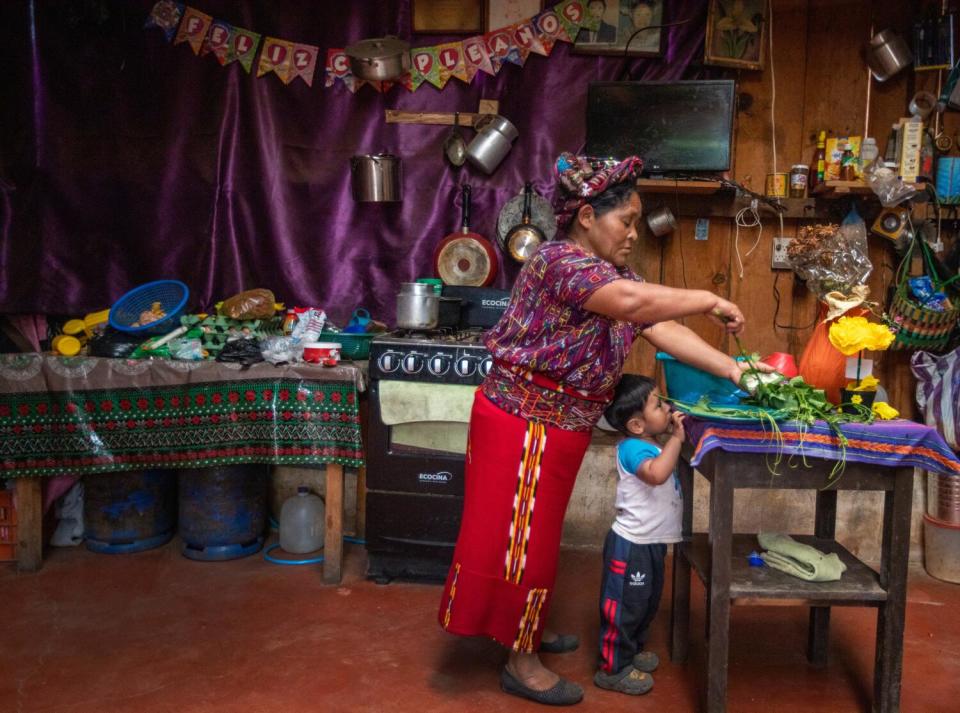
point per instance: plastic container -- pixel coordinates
(223, 511)
(129, 512)
(941, 549)
(689, 384)
(302, 522)
(352, 346)
(798, 180)
(172, 296)
(869, 151)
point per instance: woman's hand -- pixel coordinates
(727, 314)
(739, 367)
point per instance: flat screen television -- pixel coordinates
(673, 126)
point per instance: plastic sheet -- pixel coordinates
(832, 258)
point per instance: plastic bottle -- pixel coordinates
(818, 165)
(869, 151)
(301, 522)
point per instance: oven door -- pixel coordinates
(418, 437)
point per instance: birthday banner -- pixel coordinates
(435, 65)
(488, 53)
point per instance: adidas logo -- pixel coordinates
(638, 579)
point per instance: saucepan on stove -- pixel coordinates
(418, 306)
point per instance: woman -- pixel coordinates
(558, 353)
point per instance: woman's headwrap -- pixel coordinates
(581, 178)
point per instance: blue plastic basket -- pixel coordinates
(172, 296)
(687, 383)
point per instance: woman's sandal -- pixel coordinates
(562, 693)
(629, 681)
(564, 643)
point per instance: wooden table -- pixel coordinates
(720, 560)
(87, 415)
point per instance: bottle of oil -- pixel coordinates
(818, 165)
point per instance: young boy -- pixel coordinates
(649, 507)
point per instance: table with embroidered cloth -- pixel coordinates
(76, 415)
(730, 455)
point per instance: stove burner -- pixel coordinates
(444, 334)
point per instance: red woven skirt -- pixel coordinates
(519, 476)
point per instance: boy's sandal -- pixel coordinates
(562, 693)
(564, 643)
(629, 681)
(646, 661)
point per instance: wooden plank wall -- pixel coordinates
(821, 83)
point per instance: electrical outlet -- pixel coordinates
(779, 260)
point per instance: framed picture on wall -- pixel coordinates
(623, 22)
(735, 30)
(447, 17)
(502, 13)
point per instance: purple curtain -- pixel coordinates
(125, 159)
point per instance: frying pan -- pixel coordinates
(465, 257)
(525, 237)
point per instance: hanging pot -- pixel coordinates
(661, 221)
(379, 59)
(376, 178)
(495, 136)
(888, 54)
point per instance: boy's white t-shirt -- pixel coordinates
(646, 514)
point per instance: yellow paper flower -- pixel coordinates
(854, 334)
(856, 399)
(867, 383)
(884, 411)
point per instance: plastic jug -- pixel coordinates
(302, 522)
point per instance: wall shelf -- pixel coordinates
(670, 185)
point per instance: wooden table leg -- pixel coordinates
(333, 538)
(818, 634)
(721, 530)
(29, 524)
(894, 559)
(361, 527)
(680, 593)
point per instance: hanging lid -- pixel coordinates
(377, 48)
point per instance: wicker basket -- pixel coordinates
(917, 326)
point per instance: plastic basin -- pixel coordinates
(689, 384)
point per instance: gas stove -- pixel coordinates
(438, 356)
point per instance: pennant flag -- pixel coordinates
(276, 57)
(476, 58)
(450, 56)
(550, 30)
(412, 79)
(166, 15)
(218, 41)
(572, 15)
(193, 28)
(243, 44)
(526, 39)
(304, 62)
(338, 70)
(425, 62)
(501, 49)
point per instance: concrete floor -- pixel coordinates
(155, 632)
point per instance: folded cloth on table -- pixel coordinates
(799, 560)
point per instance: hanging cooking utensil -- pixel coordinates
(524, 238)
(455, 148)
(465, 257)
(541, 215)
(379, 59)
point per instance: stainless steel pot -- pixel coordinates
(376, 178)
(418, 306)
(888, 54)
(495, 136)
(661, 221)
(379, 59)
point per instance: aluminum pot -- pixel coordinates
(418, 306)
(379, 59)
(888, 54)
(376, 178)
(495, 136)
(661, 221)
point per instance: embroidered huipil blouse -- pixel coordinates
(553, 360)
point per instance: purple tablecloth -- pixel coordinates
(892, 444)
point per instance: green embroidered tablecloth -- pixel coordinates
(83, 414)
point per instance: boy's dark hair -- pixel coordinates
(630, 396)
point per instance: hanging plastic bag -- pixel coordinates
(890, 189)
(938, 392)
